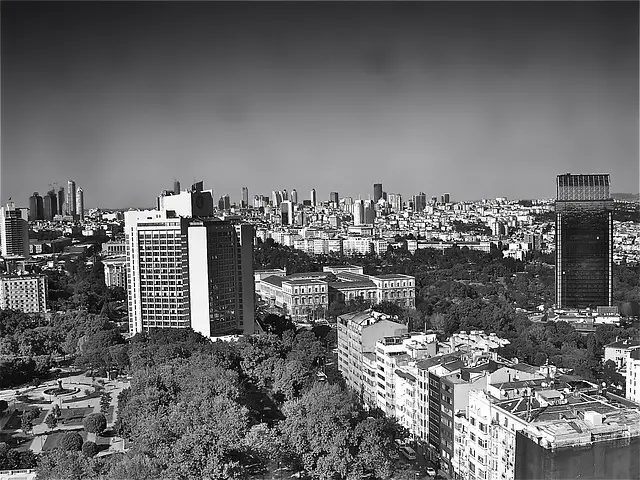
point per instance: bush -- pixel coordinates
(89, 449)
(95, 423)
(3, 405)
(71, 442)
(87, 392)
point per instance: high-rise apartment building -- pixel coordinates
(395, 200)
(80, 204)
(584, 241)
(358, 213)
(334, 198)
(420, 202)
(71, 198)
(314, 197)
(176, 187)
(188, 272)
(245, 197)
(14, 231)
(24, 292)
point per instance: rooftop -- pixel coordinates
(627, 343)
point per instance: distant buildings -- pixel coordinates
(334, 198)
(245, 197)
(71, 198)
(115, 271)
(24, 292)
(36, 208)
(377, 192)
(314, 197)
(80, 204)
(584, 241)
(633, 374)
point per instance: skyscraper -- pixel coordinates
(61, 200)
(71, 198)
(447, 198)
(294, 196)
(584, 241)
(36, 210)
(358, 213)
(50, 205)
(204, 276)
(245, 197)
(314, 198)
(286, 213)
(369, 212)
(176, 187)
(395, 200)
(420, 202)
(377, 192)
(333, 197)
(80, 204)
(14, 231)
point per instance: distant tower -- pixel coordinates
(61, 200)
(36, 210)
(369, 212)
(245, 197)
(377, 192)
(294, 196)
(447, 198)
(314, 198)
(14, 231)
(50, 205)
(358, 213)
(584, 241)
(80, 204)
(285, 195)
(71, 198)
(176, 187)
(286, 212)
(333, 197)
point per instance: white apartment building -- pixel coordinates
(633, 374)
(24, 292)
(357, 336)
(188, 272)
(618, 351)
(115, 271)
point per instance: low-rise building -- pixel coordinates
(633, 374)
(617, 351)
(115, 271)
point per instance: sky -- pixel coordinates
(478, 99)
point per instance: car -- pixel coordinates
(431, 471)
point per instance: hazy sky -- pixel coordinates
(477, 99)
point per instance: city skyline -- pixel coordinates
(463, 98)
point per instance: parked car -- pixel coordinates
(431, 471)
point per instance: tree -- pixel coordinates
(60, 464)
(89, 449)
(95, 423)
(105, 402)
(71, 442)
(51, 421)
(28, 416)
(3, 405)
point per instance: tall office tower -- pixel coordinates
(285, 194)
(358, 213)
(434, 200)
(176, 187)
(197, 186)
(333, 197)
(14, 231)
(395, 200)
(257, 201)
(245, 197)
(294, 196)
(80, 204)
(384, 196)
(36, 210)
(314, 198)
(348, 204)
(369, 212)
(446, 198)
(71, 198)
(377, 192)
(286, 213)
(61, 200)
(276, 198)
(50, 205)
(188, 272)
(584, 241)
(420, 202)
(224, 203)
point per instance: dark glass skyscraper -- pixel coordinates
(584, 241)
(377, 191)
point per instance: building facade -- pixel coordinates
(115, 271)
(71, 199)
(26, 293)
(14, 231)
(584, 241)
